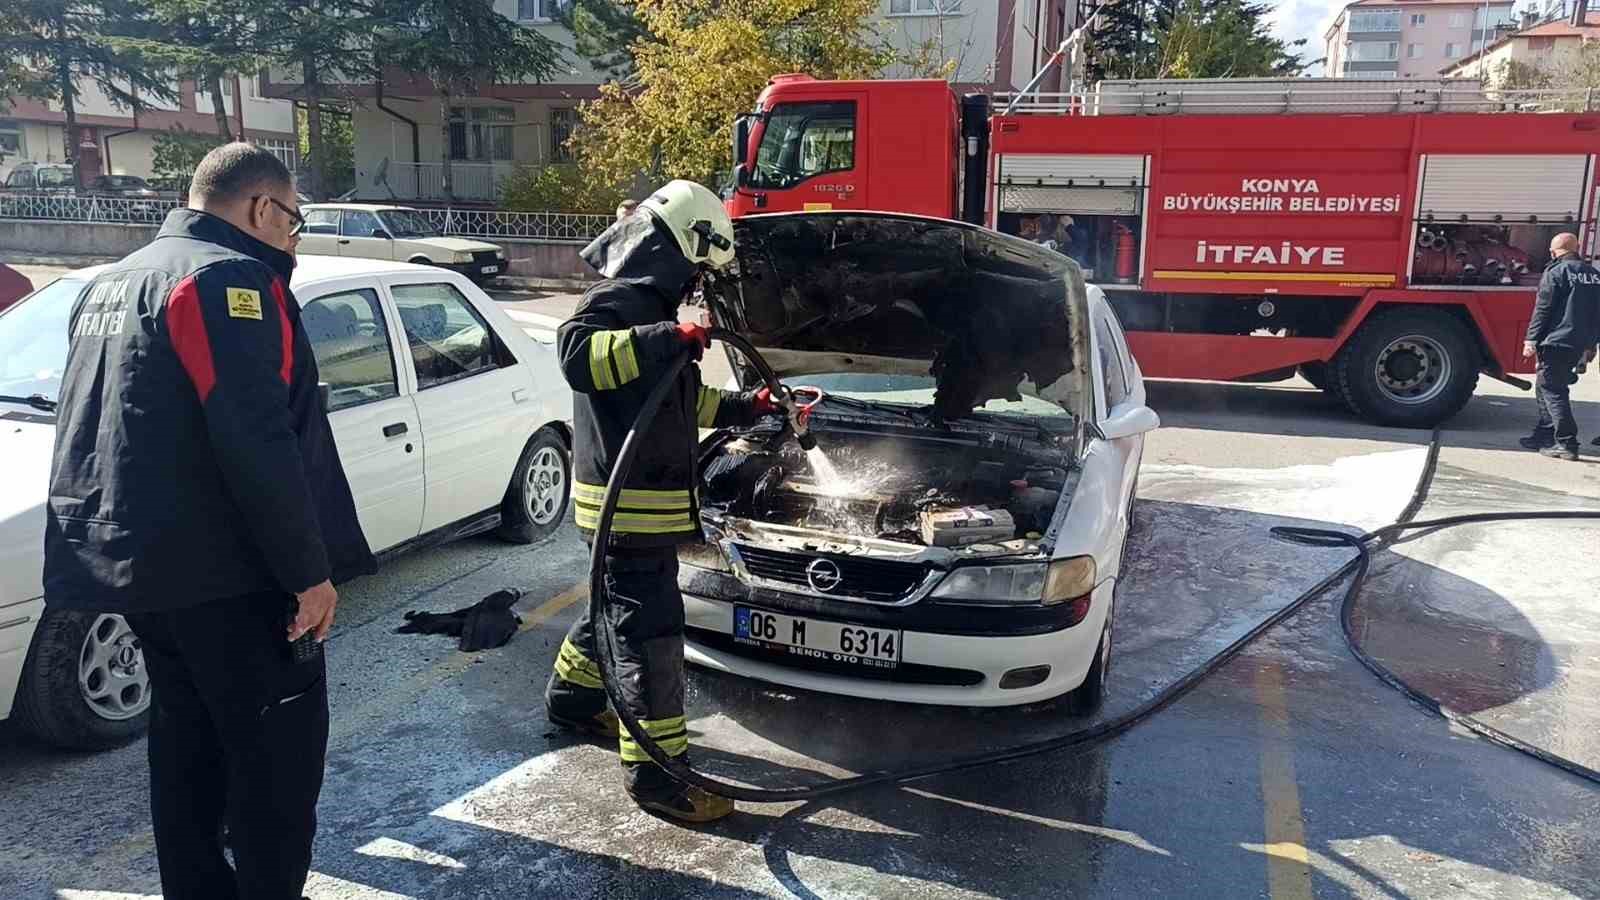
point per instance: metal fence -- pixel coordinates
(68, 208)
(503, 224)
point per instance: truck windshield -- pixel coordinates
(803, 140)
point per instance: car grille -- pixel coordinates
(875, 580)
(485, 257)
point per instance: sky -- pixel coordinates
(1308, 19)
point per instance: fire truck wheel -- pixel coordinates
(1408, 368)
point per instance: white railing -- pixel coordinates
(67, 208)
(539, 226)
(1306, 96)
(425, 181)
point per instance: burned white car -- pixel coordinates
(957, 534)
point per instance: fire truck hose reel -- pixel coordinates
(1353, 572)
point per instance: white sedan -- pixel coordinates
(957, 536)
(450, 421)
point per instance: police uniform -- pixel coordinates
(195, 489)
(1565, 325)
(613, 349)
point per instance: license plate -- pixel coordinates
(817, 639)
(490, 270)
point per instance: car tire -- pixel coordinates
(75, 655)
(420, 260)
(1408, 368)
(1087, 697)
(541, 485)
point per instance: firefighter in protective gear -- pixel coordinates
(612, 350)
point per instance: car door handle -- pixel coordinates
(520, 395)
(344, 240)
(394, 430)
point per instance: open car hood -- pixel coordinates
(989, 316)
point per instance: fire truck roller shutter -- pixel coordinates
(1082, 201)
(1513, 186)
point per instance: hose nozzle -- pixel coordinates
(797, 404)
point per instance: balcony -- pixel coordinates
(470, 181)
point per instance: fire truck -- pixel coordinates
(1383, 239)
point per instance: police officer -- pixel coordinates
(613, 351)
(1562, 334)
(197, 491)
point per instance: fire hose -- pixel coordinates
(1355, 570)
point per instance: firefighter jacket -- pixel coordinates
(613, 350)
(193, 458)
(1567, 311)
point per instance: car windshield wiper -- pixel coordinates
(892, 409)
(37, 401)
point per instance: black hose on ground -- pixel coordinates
(1354, 569)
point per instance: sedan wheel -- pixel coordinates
(84, 684)
(537, 497)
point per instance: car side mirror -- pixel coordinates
(379, 233)
(1129, 420)
(741, 140)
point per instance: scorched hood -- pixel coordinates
(987, 315)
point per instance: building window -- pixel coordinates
(1383, 75)
(285, 151)
(923, 7)
(1373, 51)
(1452, 51)
(1541, 44)
(541, 10)
(562, 121)
(1413, 51)
(1419, 19)
(1381, 20)
(11, 143)
(481, 132)
(1458, 20)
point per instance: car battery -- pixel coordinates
(957, 527)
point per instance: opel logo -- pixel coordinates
(823, 575)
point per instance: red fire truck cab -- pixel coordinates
(1383, 239)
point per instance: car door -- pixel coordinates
(370, 407)
(357, 228)
(1118, 395)
(321, 234)
(474, 399)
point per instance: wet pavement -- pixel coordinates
(1291, 773)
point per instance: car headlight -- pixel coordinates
(703, 555)
(1062, 581)
(499, 253)
(461, 256)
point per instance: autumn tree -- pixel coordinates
(708, 61)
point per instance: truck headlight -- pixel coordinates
(704, 555)
(461, 256)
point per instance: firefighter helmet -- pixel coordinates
(696, 219)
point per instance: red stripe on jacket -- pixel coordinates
(288, 334)
(186, 327)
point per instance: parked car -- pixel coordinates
(13, 286)
(450, 421)
(41, 178)
(128, 187)
(398, 233)
(980, 428)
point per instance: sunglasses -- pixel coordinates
(299, 220)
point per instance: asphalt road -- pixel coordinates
(1290, 773)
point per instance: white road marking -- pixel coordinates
(389, 848)
(1115, 834)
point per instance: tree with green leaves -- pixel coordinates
(178, 152)
(338, 149)
(462, 47)
(708, 62)
(1191, 39)
(604, 32)
(55, 45)
(213, 41)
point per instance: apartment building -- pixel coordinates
(1411, 38)
(113, 140)
(402, 136)
(1547, 47)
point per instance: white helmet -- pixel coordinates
(696, 217)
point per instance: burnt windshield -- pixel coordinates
(802, 140)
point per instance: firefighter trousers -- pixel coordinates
(646, 613)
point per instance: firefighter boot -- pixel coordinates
(687, 804)
(601, 725)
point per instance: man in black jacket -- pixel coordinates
(196, 490)
(613, 351)
(1563, 334)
